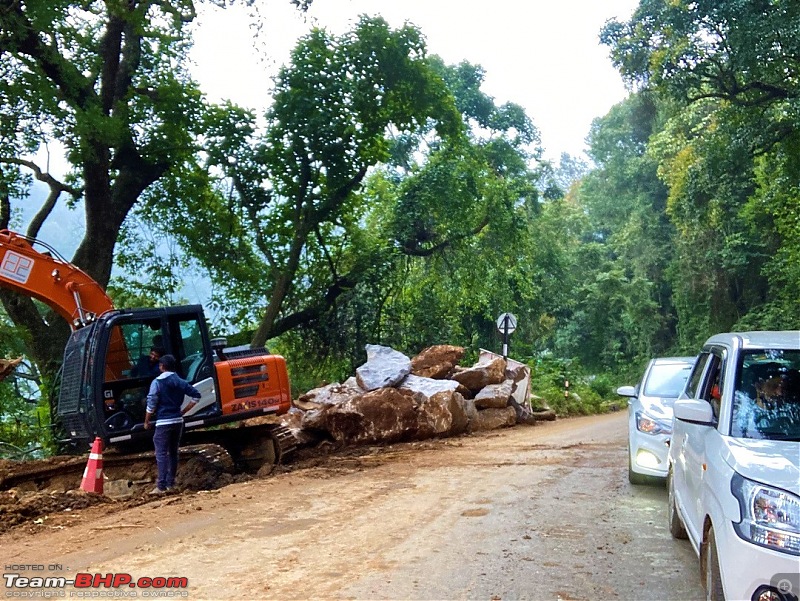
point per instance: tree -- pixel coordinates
(285, 239)
(626, 203)
(730, 72)
(108, 80)
(365, 214)
(459, 217)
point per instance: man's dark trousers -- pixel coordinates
(166, 441)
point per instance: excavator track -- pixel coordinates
(251, 447)
(203, 458)
(67, 472)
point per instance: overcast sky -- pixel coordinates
(544, 56)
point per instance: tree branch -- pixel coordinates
(74, 87)
(56, 188)
(416, 251)
(177, 14)
(324, 247)
(314, 312)
(252, 212)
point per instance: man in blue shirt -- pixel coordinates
(164, 405)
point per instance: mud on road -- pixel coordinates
(530, 512)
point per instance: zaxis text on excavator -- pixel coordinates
(102, 394)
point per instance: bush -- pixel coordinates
(585, 395)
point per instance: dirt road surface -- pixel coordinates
(542, 512)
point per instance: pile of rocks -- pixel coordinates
(393, 398)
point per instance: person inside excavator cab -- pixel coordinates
(147, 365)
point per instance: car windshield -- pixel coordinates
(766, 401)
(667, 379)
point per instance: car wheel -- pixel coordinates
(676, 527)
(713, 581)
(633, 477)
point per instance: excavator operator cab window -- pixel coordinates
(191, 353)
(131, 364)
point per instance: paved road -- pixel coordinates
(541, 512)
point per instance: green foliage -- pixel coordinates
(726, 81)
(24, 413)
(585, 394)
(25, 431)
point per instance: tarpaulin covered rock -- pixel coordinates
(482, 374)
(436, 361)
(384, 367)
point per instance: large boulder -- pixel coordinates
(435, 416)
(293, 421)
(481, 374)
(491, 419)
(427, 386)
(384, 367)
(436, 361)
(331, 394)
(440, 408)
(494, 396)
(314, 419)
(382, 415)
(462, 411)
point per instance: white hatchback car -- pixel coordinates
(734, 466)
(650, 416)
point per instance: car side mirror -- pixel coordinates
(628, 391)
(696, 411)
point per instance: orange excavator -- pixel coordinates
(106, 376)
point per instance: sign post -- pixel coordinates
(506, 324)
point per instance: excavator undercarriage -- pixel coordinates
(208, 459)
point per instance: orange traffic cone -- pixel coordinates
(93, 474)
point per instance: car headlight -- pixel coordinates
(770, 516)
(649, 425)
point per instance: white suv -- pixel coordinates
(734, 465)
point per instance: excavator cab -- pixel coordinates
(108, 371)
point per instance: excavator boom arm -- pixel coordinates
(48, 277)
